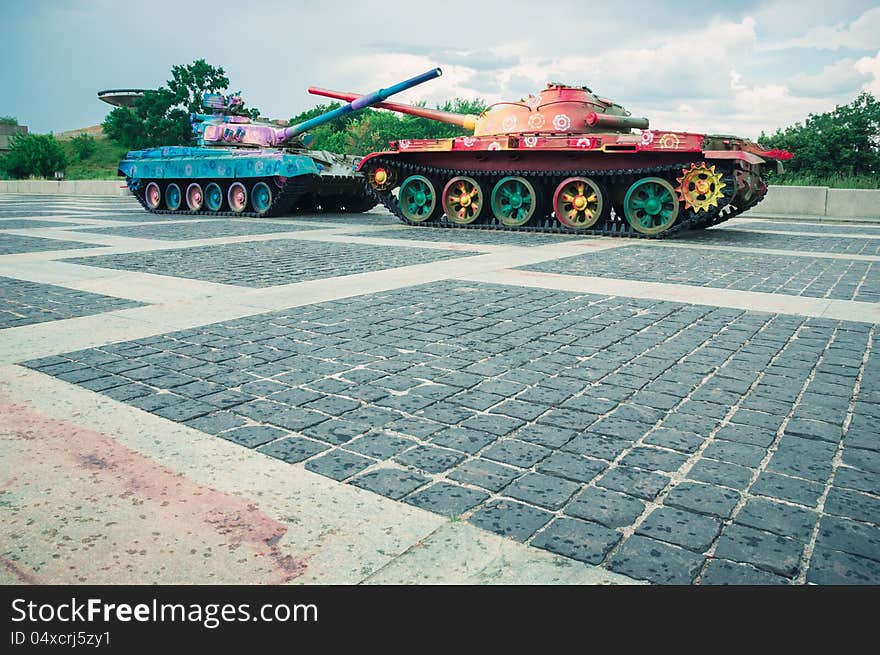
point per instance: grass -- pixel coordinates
(100, 165)
(836, 181)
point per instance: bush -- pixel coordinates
(38, 155)
(83, 145)
(8, 120)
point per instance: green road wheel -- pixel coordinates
(514, 201)
(261, 198)
(173, 197)
(651, 205)
(417, 199)
(213, 197)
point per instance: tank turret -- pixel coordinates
(252, 167)
(558, 108)
(224, 127)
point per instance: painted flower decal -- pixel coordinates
(583, 142)
(533, 101)
(561, 122)
(494, 146)
(531, 141)
(536, 121)
(508, 123)
(469, 141)
(258, 166)
(669, 140)
(188, 170)
(647, 137)
(403, 144)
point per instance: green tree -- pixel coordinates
(37, 155)
(161, 116)
(845, 141)
(371, 130)
(8, 120)
(84, 146)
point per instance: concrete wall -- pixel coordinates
(853, 203)
(803, 200)
(67, 187)
(818, 202)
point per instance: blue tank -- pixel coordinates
(243, 167)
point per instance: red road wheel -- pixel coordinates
(578, 203)
(195, 197)
(237, 196)
(153, 195)
(463, 200)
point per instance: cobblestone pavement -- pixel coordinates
(267, 263)
(26, 303)
(631, 432)
(18, 224)
(798, 276)
(798, 243)
(823, 228)
(11, 244)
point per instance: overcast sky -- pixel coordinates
(730, 67)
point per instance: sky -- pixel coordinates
(722, 67)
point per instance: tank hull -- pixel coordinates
(273, 182)
(601, 183)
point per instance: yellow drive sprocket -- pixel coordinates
(699, 187)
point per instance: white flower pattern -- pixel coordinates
(536, 121)
(561, 122)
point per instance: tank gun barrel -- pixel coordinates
(466, 121)
(356, 104)
(615, 121)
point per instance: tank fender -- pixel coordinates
(747, 157)
(372, 155)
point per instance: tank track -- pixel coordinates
(733, 212)
(613, 226)
(335, 194)
(293, 188)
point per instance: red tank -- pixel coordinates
(565, 160)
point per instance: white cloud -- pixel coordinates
(842, 76)
(863, 33)
(870, 66)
